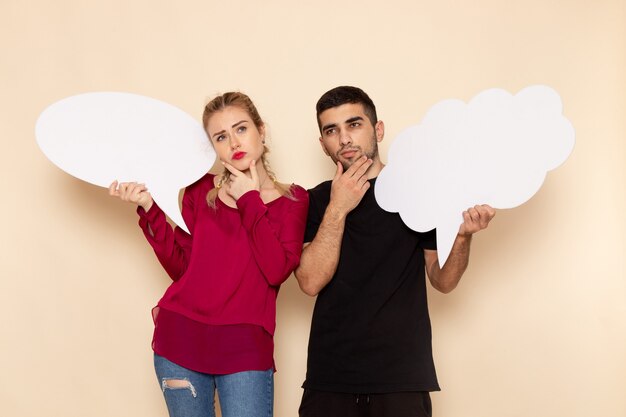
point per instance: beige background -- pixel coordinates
(538, 324)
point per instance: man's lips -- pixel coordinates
(348, 153)
(238, 155)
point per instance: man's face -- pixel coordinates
(347, 134)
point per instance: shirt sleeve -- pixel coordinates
(428, 240)
(171, 246)
(276, 247)
(314, 219)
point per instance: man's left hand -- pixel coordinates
(476, 219)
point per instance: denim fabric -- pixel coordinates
(242, 394)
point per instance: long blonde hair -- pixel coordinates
(242, 101)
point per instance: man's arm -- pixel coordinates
(320, 257)
(446, 279)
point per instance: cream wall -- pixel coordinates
(538, 324)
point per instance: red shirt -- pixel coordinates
(218, 316)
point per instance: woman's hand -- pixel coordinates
(131, 192)
(239, 183)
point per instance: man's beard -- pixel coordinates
(371, 153)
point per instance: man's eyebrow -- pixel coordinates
(328, 126)
(350, 120)
(354, 119)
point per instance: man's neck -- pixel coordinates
(374, 170)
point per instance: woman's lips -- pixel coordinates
(238, 155)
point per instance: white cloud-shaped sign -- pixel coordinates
(494, 150)
(107, 136)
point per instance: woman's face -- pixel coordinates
(235, 137)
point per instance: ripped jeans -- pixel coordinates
(191, 394)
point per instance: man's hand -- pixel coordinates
(476, 219)
(349, 187)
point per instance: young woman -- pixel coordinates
(214, 326)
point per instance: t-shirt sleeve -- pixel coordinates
(314, 218)
(428, 240)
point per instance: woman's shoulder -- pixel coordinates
(298, 193)
(298, 190)
(203, 185)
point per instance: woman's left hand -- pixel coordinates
(239, 183)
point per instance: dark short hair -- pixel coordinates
(346, 95)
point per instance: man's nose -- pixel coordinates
(345, 139)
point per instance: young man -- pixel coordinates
(370, 348)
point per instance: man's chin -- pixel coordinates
(347, 162)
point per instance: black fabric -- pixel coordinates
(396, 404)
(370, 331)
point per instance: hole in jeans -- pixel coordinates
(175, 384)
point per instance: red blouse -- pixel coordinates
(218, 316)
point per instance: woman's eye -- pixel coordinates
(241, 129)
(220, 138)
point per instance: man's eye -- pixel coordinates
(355, 124)
(330, 132)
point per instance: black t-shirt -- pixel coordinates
(370, 331)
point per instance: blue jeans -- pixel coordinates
(190, 394)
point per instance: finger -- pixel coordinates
(234, 171)
(491, 212)
(138, 189)
(363, 168)
(128, 191)
(339, 171)
(113, 189)
(356, 165)
(121, 189)
(467, 219)
(254, 172)
(473, 213)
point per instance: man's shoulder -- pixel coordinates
(321, 189)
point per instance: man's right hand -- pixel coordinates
(131, 192)
(349, 187)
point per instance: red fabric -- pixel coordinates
(218, 350)
(228, 271)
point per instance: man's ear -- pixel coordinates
(380, 130)
(324, 147)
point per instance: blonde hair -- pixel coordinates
(243, 102)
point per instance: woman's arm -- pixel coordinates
(171, 246)
(276, 248)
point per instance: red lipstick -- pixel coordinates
(238, 155)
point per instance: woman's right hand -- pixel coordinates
(131, 192)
